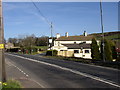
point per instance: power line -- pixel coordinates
(49, 23)
(41, 12)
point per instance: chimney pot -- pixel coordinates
(85, 33)
(66, 34)
(57, 35)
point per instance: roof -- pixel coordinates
(78, 46)
(75, 38)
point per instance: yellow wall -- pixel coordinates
(65, 53)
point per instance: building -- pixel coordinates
(9, 45)
(73, 46)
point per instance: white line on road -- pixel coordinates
(109, 68)
(25, 74)
(73, 71)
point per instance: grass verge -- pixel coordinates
(110, 64)
(11, 85)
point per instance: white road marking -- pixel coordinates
(70, 70)
(99, 66)
(109, 68)
(26, 74)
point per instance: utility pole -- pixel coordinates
(2, 58)
(51, 37)
(103, 54)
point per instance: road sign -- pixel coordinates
(1, 46)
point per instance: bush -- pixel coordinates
(118, 59)
(51, 52)
(11, 84)
(108, 52)
(95, 53)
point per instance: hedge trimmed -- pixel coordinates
(51, 53)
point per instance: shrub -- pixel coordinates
(108, 52)
(118, 59)
(11, 84)
(51, 52)
(95, 53)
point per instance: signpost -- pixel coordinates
(2, 58)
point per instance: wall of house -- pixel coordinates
(60, 47)
(56, 43)
(65, 53)
(82, 53)
(70, 53)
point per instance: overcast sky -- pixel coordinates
(24, 19)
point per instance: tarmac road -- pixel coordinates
(52, 73)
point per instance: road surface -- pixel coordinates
(52, 73)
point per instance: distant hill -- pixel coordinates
(108, 35)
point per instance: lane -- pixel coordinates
(108, 74)
(14, 72)
(55, 77)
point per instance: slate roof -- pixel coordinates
(78, 46)
(75, 38)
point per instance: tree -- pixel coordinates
(42, 41)
(113, 49)
(108, 52)
(13, 40)
(95, 53)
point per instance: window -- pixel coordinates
(76, 51)
(84, 42)
(87, 51)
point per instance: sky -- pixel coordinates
(22, 18)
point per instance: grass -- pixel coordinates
(11, 84)
(109, 37)
(41, 47)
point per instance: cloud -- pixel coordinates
(8, 6)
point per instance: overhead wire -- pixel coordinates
(41, 13)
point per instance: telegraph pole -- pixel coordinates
(103, 54)
(51, 37)
(2, 58)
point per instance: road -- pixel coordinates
(52, 73)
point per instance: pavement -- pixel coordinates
(15, 73)
(49, 73)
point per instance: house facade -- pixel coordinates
(73, 46)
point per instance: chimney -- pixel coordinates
(57, 35)
(85, 33)
(66, 34)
